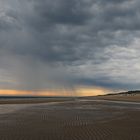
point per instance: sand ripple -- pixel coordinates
(69, 121)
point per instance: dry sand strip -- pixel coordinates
(135, 98)
(75, 120)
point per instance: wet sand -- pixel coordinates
(30, 100)
(80, 119)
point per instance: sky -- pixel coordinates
(60, 47)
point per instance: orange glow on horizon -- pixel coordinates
(14, 92)
(80, 91)
(92, 91)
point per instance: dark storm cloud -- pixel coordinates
(8, 20)
(61, 11)
(94, 42)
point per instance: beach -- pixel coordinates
(77, 119)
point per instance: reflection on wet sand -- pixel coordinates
(71, 120)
